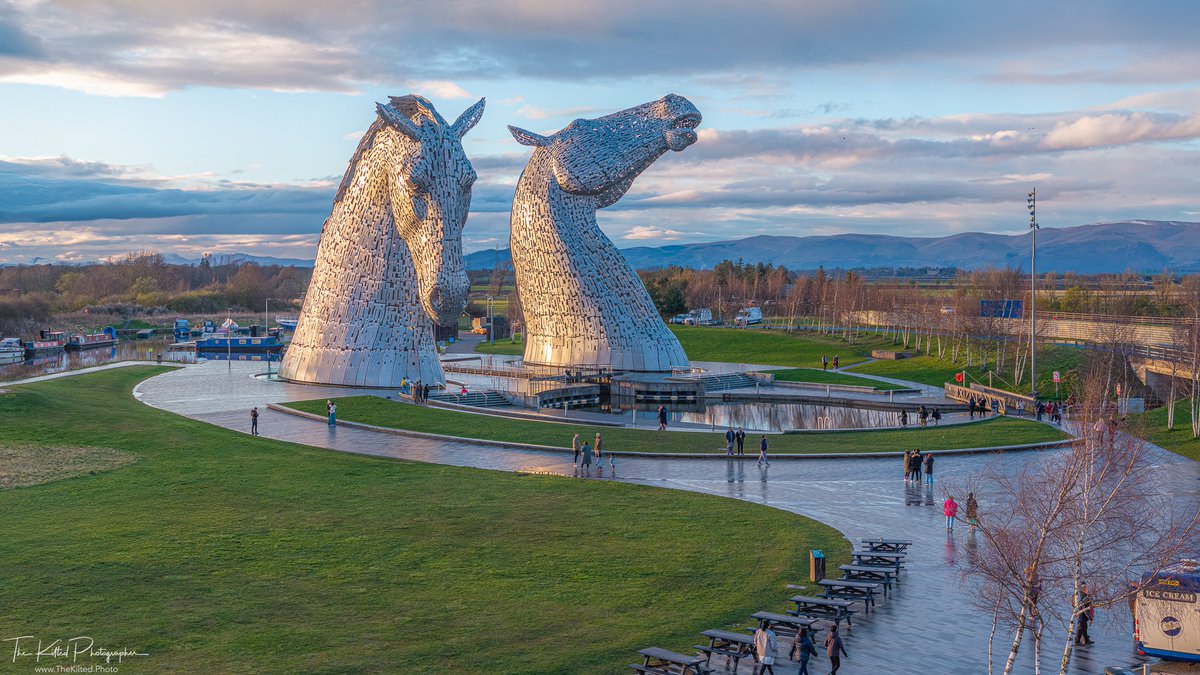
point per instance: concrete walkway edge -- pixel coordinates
(681, 455)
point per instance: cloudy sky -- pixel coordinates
(225, 125)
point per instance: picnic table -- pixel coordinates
(824, 608)
(733, 646)
(789, 622)
(852, 590)
(882, 575)
(887, 545)
(879, 558)
(657, 661)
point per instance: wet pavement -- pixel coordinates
(927, 625)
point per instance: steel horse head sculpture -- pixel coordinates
(584, 305)
(389, 265)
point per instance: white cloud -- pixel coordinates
(640, 232)
(439, 89)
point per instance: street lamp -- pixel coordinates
(1031, 201)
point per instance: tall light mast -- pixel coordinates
(1031, 200)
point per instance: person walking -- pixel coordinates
(922, 414)
(254, 421)
(836, 362)
(929, 468)
(599, 453)
(416, 391)
(765, 644)
(425, 393)
(835, 649)
(971, 406)
(950, 508)
(586, 456)
(729, 438)
(802, 649)
(576, 448)
(1020, 408)
(741, 441)
(1041, 410)
(762, 451)
(332, 414)
(662, 418)
(824, 362)
(1087, 614)
(903, 417)
(936, 415)
(972, 511)
(907, 459)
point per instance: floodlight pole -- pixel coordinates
(1033, 227)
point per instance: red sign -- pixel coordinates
(958, 377)
(1056, 377)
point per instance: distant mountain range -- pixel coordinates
(1139, 245)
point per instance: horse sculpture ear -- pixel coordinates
(528, 137)
(398, 121)
(468, 119)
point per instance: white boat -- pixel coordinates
(11, 349)
(288, 322)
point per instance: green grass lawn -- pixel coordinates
(933, 371)
(771, 348)
(1153, 428)
(382, 412)
(818, 376)
(502, 347)
(219, 552)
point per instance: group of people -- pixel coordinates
(950, 509)
(923, 416)
(418, 391)
(982, 406)
(739, 437)
(585, 453)
(1052, 410)
(915, 462)
(766, 642)
(825, 362)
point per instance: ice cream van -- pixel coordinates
(1166, 613)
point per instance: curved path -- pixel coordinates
(927, 625)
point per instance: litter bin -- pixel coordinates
(816, 565)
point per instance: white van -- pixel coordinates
(1166, 613)
(748, 316)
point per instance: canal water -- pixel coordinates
(126, 350)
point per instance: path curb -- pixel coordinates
(678, 455)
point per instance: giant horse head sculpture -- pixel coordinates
(602, 157)
(429, 183)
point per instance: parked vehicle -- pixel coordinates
(1165, 621)
(699, 317)
(748, 317)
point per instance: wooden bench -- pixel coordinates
(851, 590)
(881, 575)
(733, 646)
(656, 661)
(823, 608)
(879, 559)
(888, 545)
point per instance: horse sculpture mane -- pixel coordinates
(389, 264)
(583, 304)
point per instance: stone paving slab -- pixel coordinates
(927, 625)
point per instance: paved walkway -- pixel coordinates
(927, 626)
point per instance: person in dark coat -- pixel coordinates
(929, 468)
(914, 468)
(802, 649)
(730, 437)
(254, 421)
(1086, 614)
(662, 418)
(936, 415)
(971, 406)
(741, 440)
(903, 418)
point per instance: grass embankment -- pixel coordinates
(385, 413)
(23, 466)
(220, 552)
(1153, 428)
(818, 376)
(502, 347)
(767, 347)
(935, 372)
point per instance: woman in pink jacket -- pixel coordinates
(951, 510)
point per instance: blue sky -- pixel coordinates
(224, 126)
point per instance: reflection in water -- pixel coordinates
(951, 549)
(928, 495)
(912, 494)
(126, 350)
(756, 416)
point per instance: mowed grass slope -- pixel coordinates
(771, 348)
(1153, 427)
(818, 376)
(428, 419)
(219, 552)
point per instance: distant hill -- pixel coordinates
(1140, 245)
